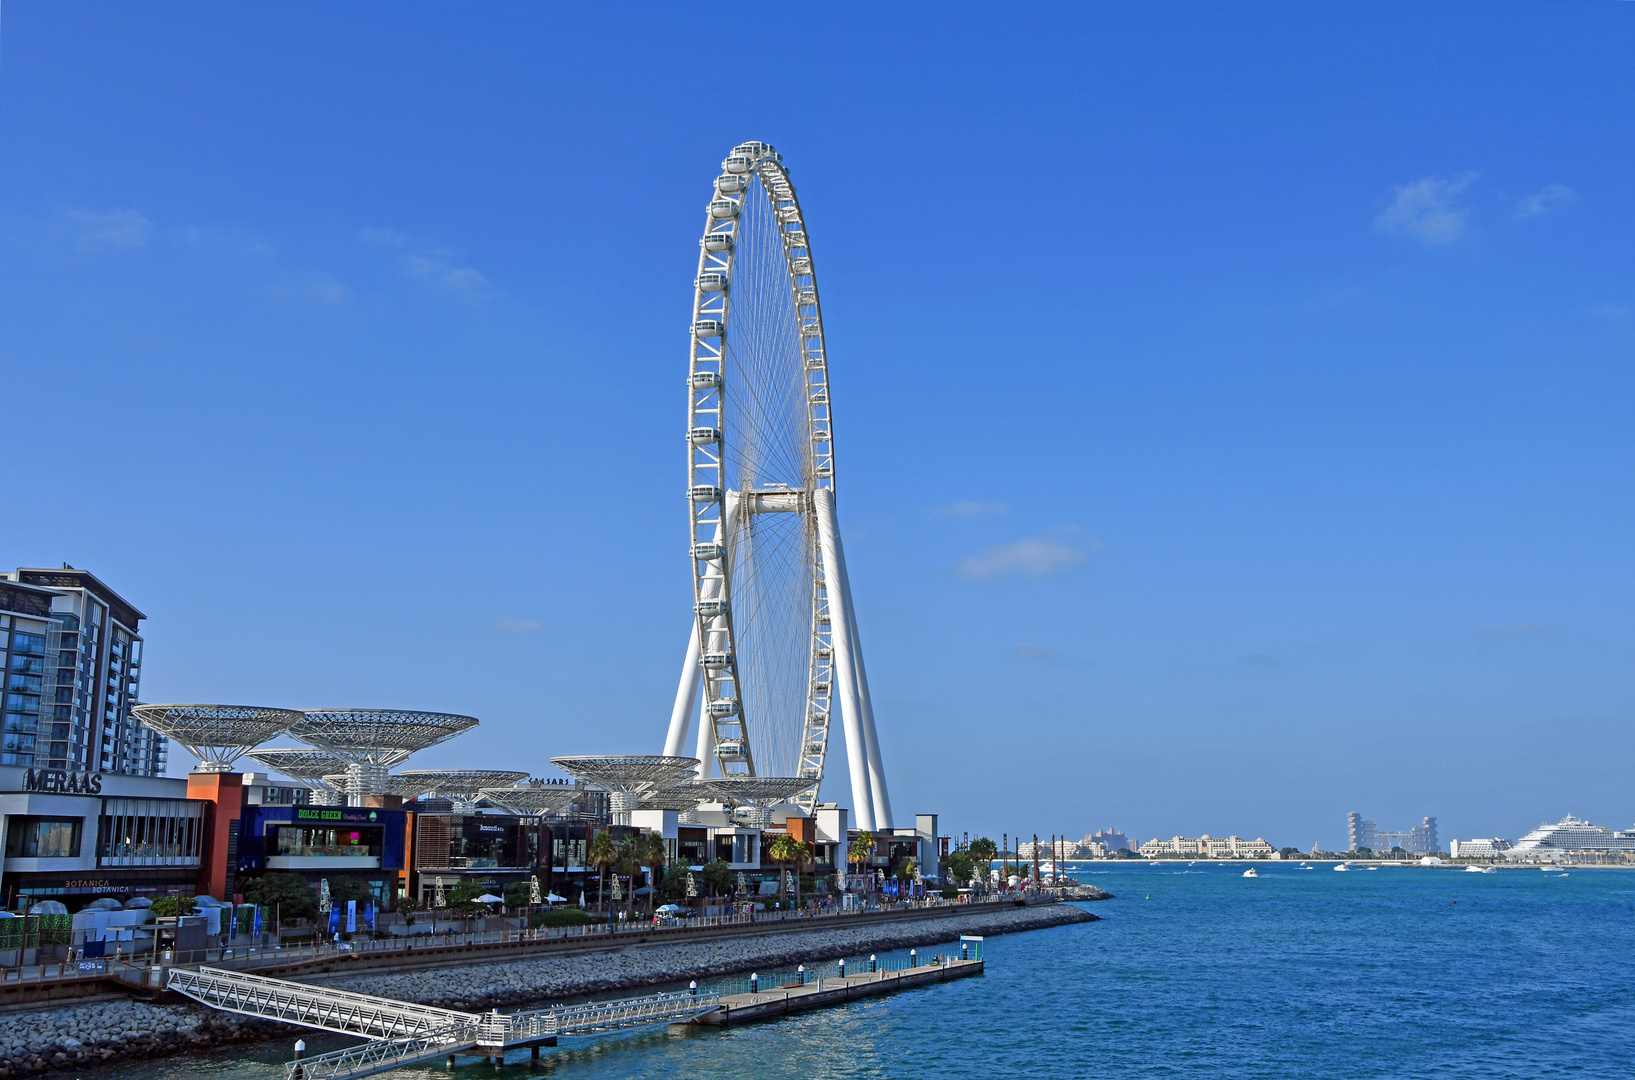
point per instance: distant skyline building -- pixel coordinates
(1111, 839)
(1207, 847)
(1365, 835)
(72, 658)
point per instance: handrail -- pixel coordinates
(380, 1055)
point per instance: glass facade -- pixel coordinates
(30, 837)
(317, 840)
(150, 832)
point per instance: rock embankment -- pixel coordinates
(76, 1036)
(73, 1037)
(478, 987)
(1085, 892)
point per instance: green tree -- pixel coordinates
(905, 870)
(629, 864)
(782, 852)
(287, 894)
(983, 852)
(655, 852)
(961, 867)
(516, 894)
(804, 853)
(166, 907)
(860, 851)
(718, 877)
(603, 853)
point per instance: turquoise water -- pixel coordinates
(1308, 974)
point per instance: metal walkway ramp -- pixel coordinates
(402, 1033)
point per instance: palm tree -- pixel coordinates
(861, 849)
(983, 852)
(654, 855)
(628, 864)
(782, 850)
(602, 855)
(803, 854)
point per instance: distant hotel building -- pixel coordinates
(1111, 839)
(73, 665)
(1207, 847)
(1421, 839)
(1478, 849)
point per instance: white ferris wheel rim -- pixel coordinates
(754, 240)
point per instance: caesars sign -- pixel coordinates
(58, 782)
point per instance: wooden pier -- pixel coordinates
(794, 997)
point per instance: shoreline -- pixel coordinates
(75, 1036)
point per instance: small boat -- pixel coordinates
(1342, 866)
(1478, 869)
(1370, 868)
(1250, 872)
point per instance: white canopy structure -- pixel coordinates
(774, 647)
(370, 741)
(533, 798)
(217, 735)
(460, 784)
(753, 796)
(629, 778)
(320, 771)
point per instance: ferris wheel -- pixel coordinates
(774, 651)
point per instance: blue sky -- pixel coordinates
(1232, 401)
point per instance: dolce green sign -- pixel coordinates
(302, 814)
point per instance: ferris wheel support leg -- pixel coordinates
(843, 641)
(880, 799)
(706, 742)
(681, 715)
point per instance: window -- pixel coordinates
(29, 683)
(21, 722)
(29, 837)
(17, 741)
(28, 643)
(59, 731)
(17, 759)
(24, 703)
(302, 840)
(32, 664)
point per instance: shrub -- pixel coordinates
(167, 906)
(560, 917)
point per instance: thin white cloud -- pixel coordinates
(435, 266)
(972, 508)
(514, 626)
(1038, 556)
(112, 228)
(318, 288)
(1549, 197)
(1425, 210)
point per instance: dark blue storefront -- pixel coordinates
(353, 844)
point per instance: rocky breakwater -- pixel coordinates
(474, 987)
(75, 1036)
(1083, 892)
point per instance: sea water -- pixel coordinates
(1197, 971)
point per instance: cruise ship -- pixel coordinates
(1571, 834)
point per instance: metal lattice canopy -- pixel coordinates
(384, 737)
(308, 766)
(752, 790)
(544, 799)
(461, 783)
(217, 735)
(629, 772)
(679, 797)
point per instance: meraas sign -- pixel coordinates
(58, 782)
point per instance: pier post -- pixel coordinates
(913, 958)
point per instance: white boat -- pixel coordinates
(1250, 872)
(1478, 869)
(1342, 866)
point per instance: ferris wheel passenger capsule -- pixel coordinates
(717, 241)
(723, 707)
(704, 328)
(802, 265)
(709, 551)
(806, 296)
(820, 435)
(703, 435)
(723, 208)
(732, 184)
(706, 380)
(712, 607)
(821, 689)
(712, 282)
(730, 750)
(738, 163)
(703, 493)
(717, 659)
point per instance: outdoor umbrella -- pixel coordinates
(555, 899)
(489, 898)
